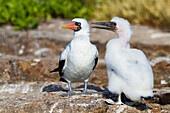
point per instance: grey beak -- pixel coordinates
(105, 25)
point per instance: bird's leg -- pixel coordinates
(70, 91)
(85, 86)
(69, 86)
(85, 89)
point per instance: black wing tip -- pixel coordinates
(96, 60)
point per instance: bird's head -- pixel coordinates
(118, 25)
(79, 25)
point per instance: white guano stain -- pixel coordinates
(23, 104)
(98, 100)
(33, 64)
(83, 105)
(10, 88)
(52, 108)
(121, 108)
(21, 51)
(38, 52)
(41, 89)
(27, 88)
(37, 60)
(71, 105)
(21, 87)
(149, 111)
(163, 82)
(60, 111)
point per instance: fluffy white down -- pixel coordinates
(128, 69)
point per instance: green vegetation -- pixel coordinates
(155, 81)
(27, 14)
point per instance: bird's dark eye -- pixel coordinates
(77, 23)
(114, 24)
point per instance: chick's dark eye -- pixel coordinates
(114, 24)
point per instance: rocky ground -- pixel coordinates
(26, 57)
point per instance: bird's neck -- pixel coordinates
(124, 38)
(82, 36)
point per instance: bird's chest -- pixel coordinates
(79, 63)
(115, 58)
(80, 56)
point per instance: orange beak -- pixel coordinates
(70, 26)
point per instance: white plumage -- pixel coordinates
(79, 56)
(129, 71)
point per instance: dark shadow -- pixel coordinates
(92, 87)
(53, 88)
(106, 94)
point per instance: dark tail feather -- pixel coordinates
(55, 70)
(62, 79)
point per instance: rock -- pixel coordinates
(44, 97)
(164, 99)
(162, 64)
(42, 52)
(5, 77)
(26, 57)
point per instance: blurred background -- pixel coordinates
(31, 41)
(27, 14)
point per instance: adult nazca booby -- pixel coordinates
(128, 69)
(79, 57)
